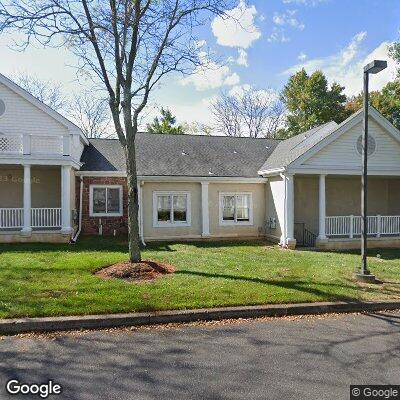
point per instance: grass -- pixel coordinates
(47, 280)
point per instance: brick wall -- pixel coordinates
(90, 225)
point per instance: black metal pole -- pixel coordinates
(364, 182)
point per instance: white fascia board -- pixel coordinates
(43, 107)
(103, 174)
(41, 161)
(173, 178)
(385, 123)
(334, 170)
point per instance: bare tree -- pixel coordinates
(129, 45)
(227, 116)
(48, 92)
(91, 115)
(197, 128)
(249, 112)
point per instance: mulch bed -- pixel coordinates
(145, 270)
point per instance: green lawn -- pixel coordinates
(39, 280)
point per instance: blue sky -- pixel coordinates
(276, 38)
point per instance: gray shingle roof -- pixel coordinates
(182, 155)
(290, 149)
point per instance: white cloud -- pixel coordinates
(346, 66)
(270, 95)
(210, 75)
(237, 28)
(302, 56)
(288, 19)
(311, 3)
(195, 112)
(200, 43)
(239, 89)
(278, 35)
(242, 58)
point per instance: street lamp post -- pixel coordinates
(365, 276)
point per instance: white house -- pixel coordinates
(304, 190)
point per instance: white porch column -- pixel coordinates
(287, 238)
(290, 241)
(205, 210)
(27, 228)
(322, 208)
(66, 200)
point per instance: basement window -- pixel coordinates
(171, 209)
(106, 201)
(235, 209)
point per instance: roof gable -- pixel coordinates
(350, 127)
(294, 152)
(12, 86)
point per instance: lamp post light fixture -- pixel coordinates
(364, 275)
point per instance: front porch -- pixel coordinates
(35, 203)
(329, 207)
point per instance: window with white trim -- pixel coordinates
(236, 209)
(171, 208)
(106, 201)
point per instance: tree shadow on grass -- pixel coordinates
(384, 253)
(119, 244)
(301, 286)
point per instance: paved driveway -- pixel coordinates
(264, 359)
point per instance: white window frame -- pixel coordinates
(166, 224)
(106, 214)
(221, 209)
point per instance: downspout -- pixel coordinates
(283, 244)
(75, 238)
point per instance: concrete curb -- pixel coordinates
(50, 324)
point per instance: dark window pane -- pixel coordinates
(243, 207)
(99, 200)
(228, 203)
(242, 214)
(164, 208)
(180, 208)
(113, 205)
(179, 216)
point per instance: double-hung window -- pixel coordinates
(171, 208)
(106, 201)
(236, 209)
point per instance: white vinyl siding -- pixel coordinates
(22, 117)
(342, 153)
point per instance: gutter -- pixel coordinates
(271, 172)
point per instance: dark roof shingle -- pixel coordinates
(182, 155)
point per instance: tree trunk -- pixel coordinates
(133, 199)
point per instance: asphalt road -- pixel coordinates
(264, 359)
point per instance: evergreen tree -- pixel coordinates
(165, 124)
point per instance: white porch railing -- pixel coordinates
(46, 217)
(350, 225)
(11, 144)
(34, 144)
(13, 218)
